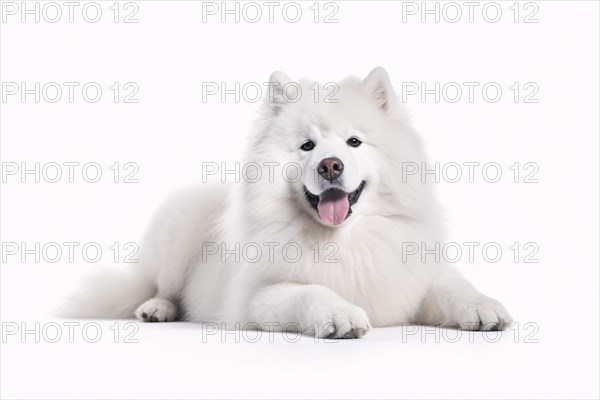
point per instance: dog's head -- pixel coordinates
(336, 150)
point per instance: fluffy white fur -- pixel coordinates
(370, 285)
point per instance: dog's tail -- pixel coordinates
(110, 294)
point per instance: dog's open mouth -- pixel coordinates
(334, 205)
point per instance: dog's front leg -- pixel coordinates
(453, 302)
(311, 309)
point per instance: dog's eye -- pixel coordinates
(308, 145)
(354, 142)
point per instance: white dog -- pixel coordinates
(311, 238)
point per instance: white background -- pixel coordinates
(552, 351)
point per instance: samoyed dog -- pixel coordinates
(317, 247)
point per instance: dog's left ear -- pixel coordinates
(379, 86)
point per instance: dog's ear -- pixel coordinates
(276, 85)
(380, 88)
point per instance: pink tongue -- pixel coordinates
(333, 211)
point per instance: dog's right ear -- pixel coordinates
(276, 99)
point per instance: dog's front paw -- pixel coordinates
(156, 310)
(482, 313)
(344, 322)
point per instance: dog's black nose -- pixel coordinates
(330, 168)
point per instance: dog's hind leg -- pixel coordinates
(157, 309)
(162, 306)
